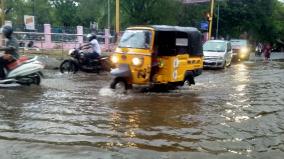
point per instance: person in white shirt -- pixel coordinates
(93, 46)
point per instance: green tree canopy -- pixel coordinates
(254, 17)
(65, 11)
(136, 12)
(261, 19)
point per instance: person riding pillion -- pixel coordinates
(93, 46)
(10, 50)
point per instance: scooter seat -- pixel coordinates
(17, 63)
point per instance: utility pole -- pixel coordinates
(117, 18)
(211, 19)
(108, 14)
(218, 15)
(2, 20)
(33, 7)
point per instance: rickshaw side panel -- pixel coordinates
(164, 73)
(175, 67)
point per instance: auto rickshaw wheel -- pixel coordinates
(119, 85)
(189, 80)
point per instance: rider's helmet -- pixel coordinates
(7, 31)
(91, 37)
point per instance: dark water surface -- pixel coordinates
(232, 113)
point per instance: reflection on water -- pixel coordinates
(237, 111)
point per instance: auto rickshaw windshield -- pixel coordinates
(140, 39)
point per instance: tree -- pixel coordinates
(137, 12)
(193, 14)
(65, 11)
(42, 11)
(278, 20)
(93, 11)
(18, 8)
(262, 20)
(254, 17)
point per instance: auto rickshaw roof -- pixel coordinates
(167, 28)
(174, 28)
(194, 35)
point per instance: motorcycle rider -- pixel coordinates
(93, 46)
(10, 50)
(259, 49)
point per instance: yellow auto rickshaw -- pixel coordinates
(157, 55)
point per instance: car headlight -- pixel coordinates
(221, 58)
(136, 61)
(114, 59)
(244, 50)
(243, 55)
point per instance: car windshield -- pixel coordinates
(136, 39)
(214, 46)
(239, 42)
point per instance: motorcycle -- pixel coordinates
(23, 71)
(78, 62)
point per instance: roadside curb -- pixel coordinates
(273, 56)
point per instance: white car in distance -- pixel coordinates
(217, 54)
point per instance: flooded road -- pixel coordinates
(232, 113)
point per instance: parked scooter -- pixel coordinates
(78, 62)
(24, 71)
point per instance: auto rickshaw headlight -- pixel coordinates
(114, 59)
(136, 61)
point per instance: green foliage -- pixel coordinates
(259, 19)
(42, 11)
(137, 12)
(278, 20)
(18, 7)
(253, 17)
(65, 11)
(192, 15)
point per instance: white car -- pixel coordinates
(217, 54)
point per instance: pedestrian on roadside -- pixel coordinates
(267, 52)
(259, 49)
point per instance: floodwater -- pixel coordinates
(233, 113)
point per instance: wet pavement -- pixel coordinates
(233, 113)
